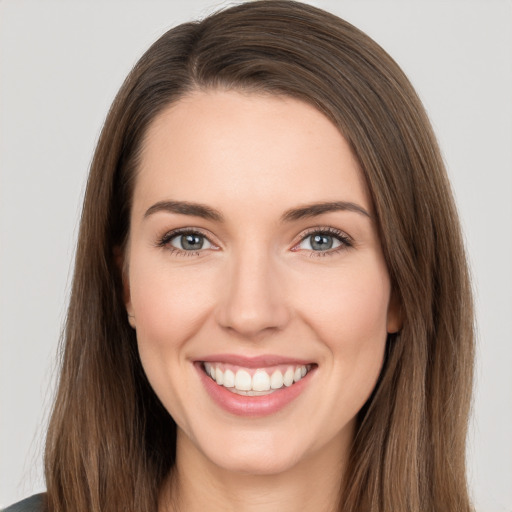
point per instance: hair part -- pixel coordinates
(111, 443)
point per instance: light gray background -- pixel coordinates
(61, 62)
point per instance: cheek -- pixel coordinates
(348, 313)
(169, 305)
(348, 307)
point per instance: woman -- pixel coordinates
(271, 305)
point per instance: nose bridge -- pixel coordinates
(253, 300)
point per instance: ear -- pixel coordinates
(122, 265)
(394, 319)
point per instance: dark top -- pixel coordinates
(33, 504)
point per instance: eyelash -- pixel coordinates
(345, 241)
(165, 241)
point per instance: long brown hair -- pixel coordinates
(110, 442)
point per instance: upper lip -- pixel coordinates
(253, 362)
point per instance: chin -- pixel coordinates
(255, 462)
(255, 453)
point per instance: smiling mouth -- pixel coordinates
(255, 381)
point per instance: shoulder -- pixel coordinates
(33, 504)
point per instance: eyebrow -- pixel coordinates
(312, 210)
(206, 212)
(185, 208)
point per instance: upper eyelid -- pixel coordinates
(323, 229)
(179, 231)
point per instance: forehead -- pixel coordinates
(229, 147)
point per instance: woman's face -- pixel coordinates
(253, 257)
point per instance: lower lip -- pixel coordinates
(242, 405)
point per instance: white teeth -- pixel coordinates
(210, 370)
(260, 383)
(243, 380)
(229, 379)
(288, 377)
(276, 381)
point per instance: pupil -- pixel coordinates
(191, 242)
(321, 242)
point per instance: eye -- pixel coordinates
(189, 242)
(185, 242)
(327, 241)
(319, 242)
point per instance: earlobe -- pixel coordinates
(123, 271)
(131, 320)
(127, 297)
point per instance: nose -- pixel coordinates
(253, 297)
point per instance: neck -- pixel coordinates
(196, 484)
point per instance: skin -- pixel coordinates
(256, 287)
